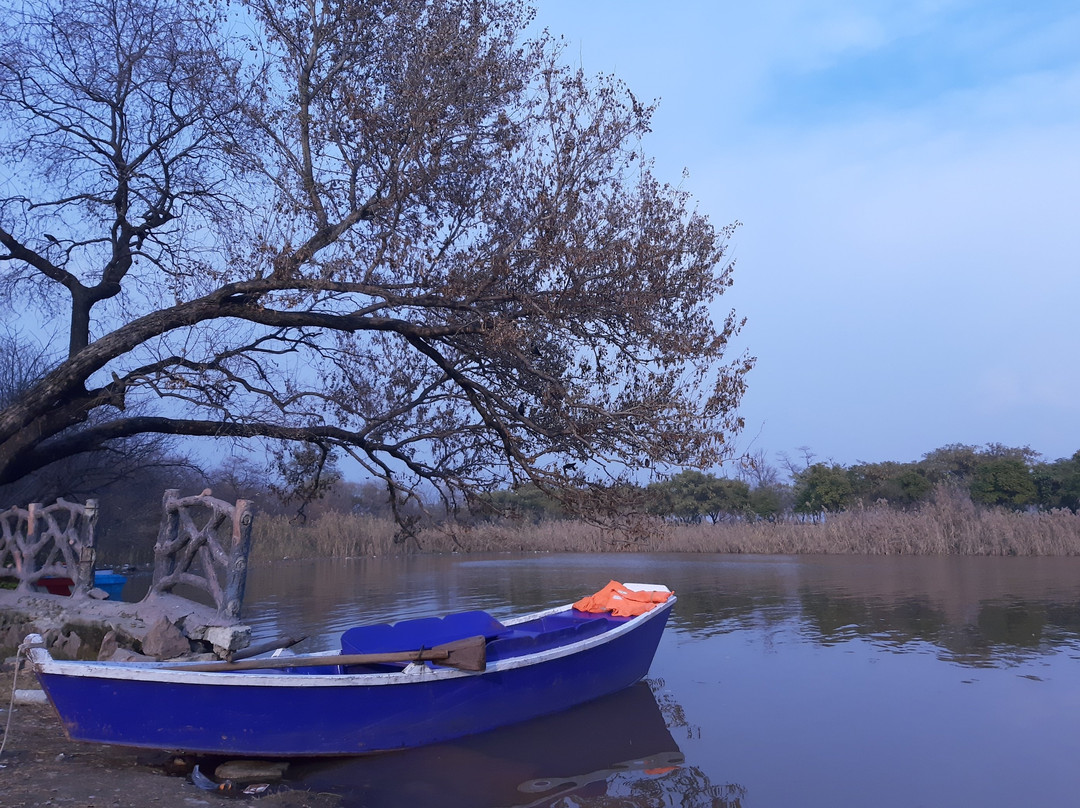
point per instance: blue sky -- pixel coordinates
(908, 179)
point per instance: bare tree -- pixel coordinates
(796, 466)
(390, 229)
(23, 361)
(757, 471)
(100, 473)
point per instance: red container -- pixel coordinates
(57, 586)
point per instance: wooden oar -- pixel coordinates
(469, 654)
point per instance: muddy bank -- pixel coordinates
(41, 767)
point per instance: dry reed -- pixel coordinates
(333, 535)
(950, 524)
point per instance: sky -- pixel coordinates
(907, 176)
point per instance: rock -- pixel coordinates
(98, 594)
(109, 646)
(127, 655)
(204, 657)
(165, 640)
(226, 639)
(251, 771)
(69, 645)
(30, 697)
(50, 616)
(14, 636)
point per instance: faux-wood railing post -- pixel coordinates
(192, 550)
(236, 576)
(168, 532)
(84, 580)
(25, 558)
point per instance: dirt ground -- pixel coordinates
(40, 767)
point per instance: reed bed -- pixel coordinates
(333, 535)
(950, 524)
(337, 535)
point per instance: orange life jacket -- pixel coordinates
(620, 601)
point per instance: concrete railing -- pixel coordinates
(204, 542)
(53, 541)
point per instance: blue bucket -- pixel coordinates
(111, 582)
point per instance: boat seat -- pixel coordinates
(424, 632)
(548, 632)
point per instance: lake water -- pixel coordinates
(780, 681)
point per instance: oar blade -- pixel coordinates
(469, 654)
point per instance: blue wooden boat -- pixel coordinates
(391, 686)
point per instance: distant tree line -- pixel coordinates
(992, 475)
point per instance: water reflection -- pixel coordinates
(616, 746)
(554, 789)
(976, 612)
(998, 632)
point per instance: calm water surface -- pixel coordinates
(781, 681)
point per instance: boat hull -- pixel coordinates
(282, 714)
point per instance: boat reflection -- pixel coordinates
(613, 742)
(555, 788)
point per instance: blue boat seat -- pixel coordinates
(549, 632)
(424, 632)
